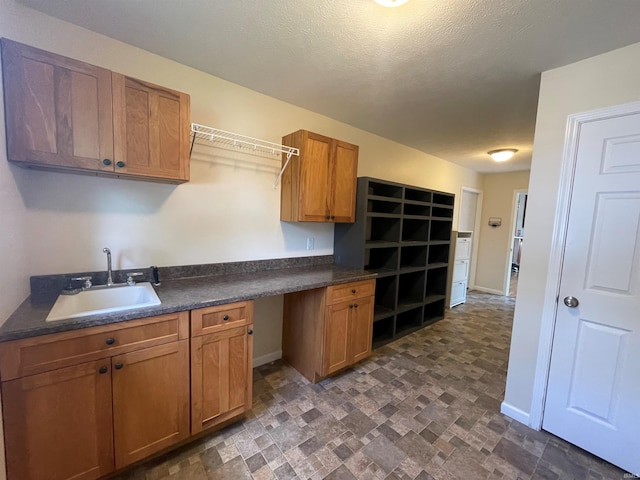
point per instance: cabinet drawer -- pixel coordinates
(49, 352)
(213, 319)
(463, 248)
(347, 291)
(458, 293)
(460, 270)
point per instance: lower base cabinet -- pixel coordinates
(58, 425)
(85, 420)
(150, 401)
(458, 293)
(80, 405)
(221, 364)
(328, 329)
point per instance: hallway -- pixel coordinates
(423, 407)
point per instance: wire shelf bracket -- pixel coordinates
(202, 134)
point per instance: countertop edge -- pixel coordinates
(29, 318)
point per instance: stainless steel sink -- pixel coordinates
(98, 300)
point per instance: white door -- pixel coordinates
(593, 391)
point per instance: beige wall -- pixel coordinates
(609, 79)
(493, 265)
(55, 222)
(229, 211)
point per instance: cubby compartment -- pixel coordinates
(433, 311)
(382, 206)
(385, 190)
(441, 212)
(413, 257)
(410, 290)
(443, 198)
(382, 229)
(440, 230)
(436, 282)
(381, 259)
(438, 255)
(417, 210)
(386, 293)
(415, 230)
(382, 331)
(409, 320)
(417, 195)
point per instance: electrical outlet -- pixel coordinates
(310, 243)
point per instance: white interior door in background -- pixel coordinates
(593, 389)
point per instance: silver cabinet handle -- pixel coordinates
(571, 302)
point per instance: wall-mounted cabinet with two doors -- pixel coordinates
(63, 114)
(403, 233)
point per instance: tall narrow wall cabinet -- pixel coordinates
(402, 233)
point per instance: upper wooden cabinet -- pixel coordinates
(151, 129)
(320, 184)
(64, 114)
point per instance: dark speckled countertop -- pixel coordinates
(184, 294)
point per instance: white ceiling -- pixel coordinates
(453, 78)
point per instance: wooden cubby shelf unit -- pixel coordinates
(402, 233)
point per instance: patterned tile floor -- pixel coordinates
(423, 407)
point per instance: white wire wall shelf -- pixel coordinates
(204, 135)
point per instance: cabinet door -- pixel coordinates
(58, 110)
(335, 352)
(361, 329)
(458, 292)
(58, 424)
(221, 376)
(150, 400)
(151, 129)
(315, 179)
(345, 171)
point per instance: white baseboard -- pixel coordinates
(515, 413)
(488, 290)
(269, 357)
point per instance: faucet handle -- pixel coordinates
(130, 276)
(87, 281)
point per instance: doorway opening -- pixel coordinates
(465, 246)
(515, 252)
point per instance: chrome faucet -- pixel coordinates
(109, 276)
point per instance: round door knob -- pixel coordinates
(225, 318)
(355, 305)
(103, 370)
(119, 365)
(571, 302)
(250, 332)
(106, 161)
(351, 306)
(353, 291)
(120, 164)
(110, 341)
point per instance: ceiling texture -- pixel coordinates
(452, 78)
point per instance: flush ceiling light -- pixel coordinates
(503, 154)
(391, 3)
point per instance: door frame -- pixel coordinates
(475, 240)
(558, 242)
(512, 229)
